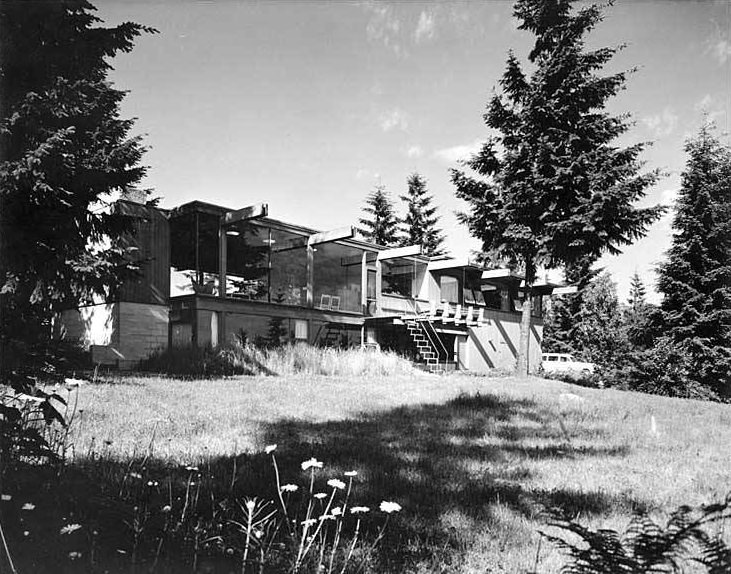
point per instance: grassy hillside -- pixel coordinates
(474, 461)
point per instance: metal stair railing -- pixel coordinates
(421, 320)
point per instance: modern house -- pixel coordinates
(210, 275)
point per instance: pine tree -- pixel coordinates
(380, 225)
(695, 280)
(63, 149)
(637, 293)
(551, 189)
(638, 315)
(420, 224)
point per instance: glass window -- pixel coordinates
(399, 276)
(300, 330)
(472, 290)
(492, 297)
(449, 289)
(247, 261)
(194, 253)
(288, 278)
(337, 277)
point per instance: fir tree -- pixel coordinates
(63, 148)
(638, 315)
(420, 224)
(695, 280)
(380, 225)
(637, 293)
(551, 189)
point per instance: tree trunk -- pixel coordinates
(523, 365)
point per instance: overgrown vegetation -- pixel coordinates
(298, 359)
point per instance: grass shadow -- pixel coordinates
(454, 467)
(458, 468)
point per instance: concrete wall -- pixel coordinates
(119, 334)
(143, 329)
(495, 345)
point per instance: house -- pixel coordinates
(211, 275)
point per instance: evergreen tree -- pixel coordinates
(551, 189)
(63, 148)
(695, 280)
(638, 315)
(600, 335)
(380, 225)
(637, 293)
(420, 224)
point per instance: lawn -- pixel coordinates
(475, 462)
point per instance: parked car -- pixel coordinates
(564, 363)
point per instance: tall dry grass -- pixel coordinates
(298, 359)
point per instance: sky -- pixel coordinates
(307, 105)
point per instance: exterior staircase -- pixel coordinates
(426, 349)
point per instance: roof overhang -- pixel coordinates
(394, 252)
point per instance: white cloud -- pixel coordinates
(384, 26)
(362, 173)
(721, 51)
(663, 124)
(710, 106)
(425, 27)
(414, 151)
(394, 120)
(458, 153)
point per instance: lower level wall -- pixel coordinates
(495, 344)
(118, 334)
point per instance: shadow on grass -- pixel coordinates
(457, 469)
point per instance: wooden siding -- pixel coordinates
(152, 238)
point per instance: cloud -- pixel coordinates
(362, 173)
(394, 120)
(458, 153)
(710, 106)
(384, 27)
(721, 51)
(663, 124)
(414, 151)
(425, 27)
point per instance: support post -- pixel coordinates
(310, 276)
(364, 285)
(222, 255)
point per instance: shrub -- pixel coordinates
(649, 547)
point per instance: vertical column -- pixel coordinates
(310, 275)
(379, 279)
(221, 259)
(364, 285)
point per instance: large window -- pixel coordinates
(472, 289)
(288, 278)
(337, 277)
(401, 276)
(194, 253)
(449, 289)
(247, 261)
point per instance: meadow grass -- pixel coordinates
(475, 461)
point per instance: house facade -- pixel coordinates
(210, 275)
